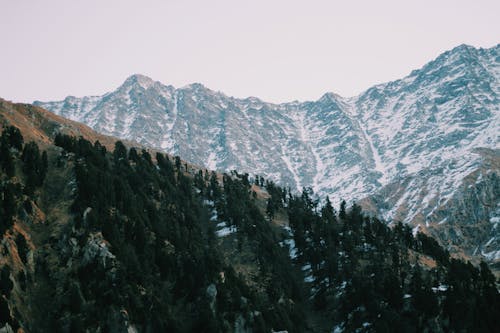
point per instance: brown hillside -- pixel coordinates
(39, 125)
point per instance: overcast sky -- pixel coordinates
(278, 50)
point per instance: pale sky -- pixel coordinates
(277, 50)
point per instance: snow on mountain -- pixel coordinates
(419, 149)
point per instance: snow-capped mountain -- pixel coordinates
(423, 149)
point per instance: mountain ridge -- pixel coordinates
(412, 139)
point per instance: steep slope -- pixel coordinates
(418, 142)
(427, 130)
(41, 126)
(224, 133)
(124, 245)
(119, 242)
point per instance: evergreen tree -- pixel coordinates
(9, 206)
(34, 166)
(6, 160)
(342, 211)
(13, 138)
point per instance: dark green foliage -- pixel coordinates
(13, 138)
(142, 249)
(34, 167)
(44, 165)
(133, 156)
(7, 161)
(4, 312)
(471, 299)
(6, 284)
(342, 211)
(22, 247)
(367, 263)
(9, 192)
(430, 246)
(66, 142)
(178, 163)
(214, 192)
(164, 256)
(277, 199)
(423, 298)
(11, 141)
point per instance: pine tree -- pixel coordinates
(342, 211)
(9, 206)
(34, 166)
(13, 137)
(7, 160)
(327, 212)
(44, 166)
(270, 209)
(120, 152)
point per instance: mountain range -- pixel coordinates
(423, 149)
(119, 238)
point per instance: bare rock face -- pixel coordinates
(466, 222)
(412, 147)
(474, 219)
(97, 249)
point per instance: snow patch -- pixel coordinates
(226, 231)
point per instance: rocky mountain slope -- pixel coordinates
(419, 149)
(118, 240)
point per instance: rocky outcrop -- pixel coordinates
(465, 220)
(97, 250)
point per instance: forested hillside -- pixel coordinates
(123, 241)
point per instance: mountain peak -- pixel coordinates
(329, 97)
(196, 86)
(139, 79)
(462, 48)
